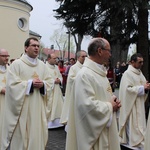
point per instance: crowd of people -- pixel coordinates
(37, 96)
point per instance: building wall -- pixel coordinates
(13, 36)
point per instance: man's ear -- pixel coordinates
(25, 48)
(99, 50)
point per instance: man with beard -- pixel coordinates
(133, 93)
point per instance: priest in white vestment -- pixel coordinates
(3, 71)
(27, 96)
(70, 79)
(92, 118)
(133, 93)
(147, 135)
(56, 97)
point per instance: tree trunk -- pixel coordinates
(142, 45)
(118, 54)
(78, 41)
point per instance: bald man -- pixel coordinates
(3, 70)
(92, 120)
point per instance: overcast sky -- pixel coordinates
(43, 22)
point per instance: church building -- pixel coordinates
(14, 27)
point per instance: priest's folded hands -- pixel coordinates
(116, 104)
(147, 86)
(37, 83)
(57, 81)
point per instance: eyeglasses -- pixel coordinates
(84, 56)
(4, 55)
(109, 50)
(34, 45)
(140, 62)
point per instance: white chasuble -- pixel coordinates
(70, 79)
(2, 97)
(132, 113)
(25, 120)
(147, 136)
(90, 112)
(56, 97)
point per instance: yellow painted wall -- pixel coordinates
(12, 37)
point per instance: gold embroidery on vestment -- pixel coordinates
(35, 75)
(4, 80)
(109, 89)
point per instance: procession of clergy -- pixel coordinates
(31, 101)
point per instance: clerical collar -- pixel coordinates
(52, 64)
(32, 60)
(2, 68)
(102, 67)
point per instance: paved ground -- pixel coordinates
(57, 139)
